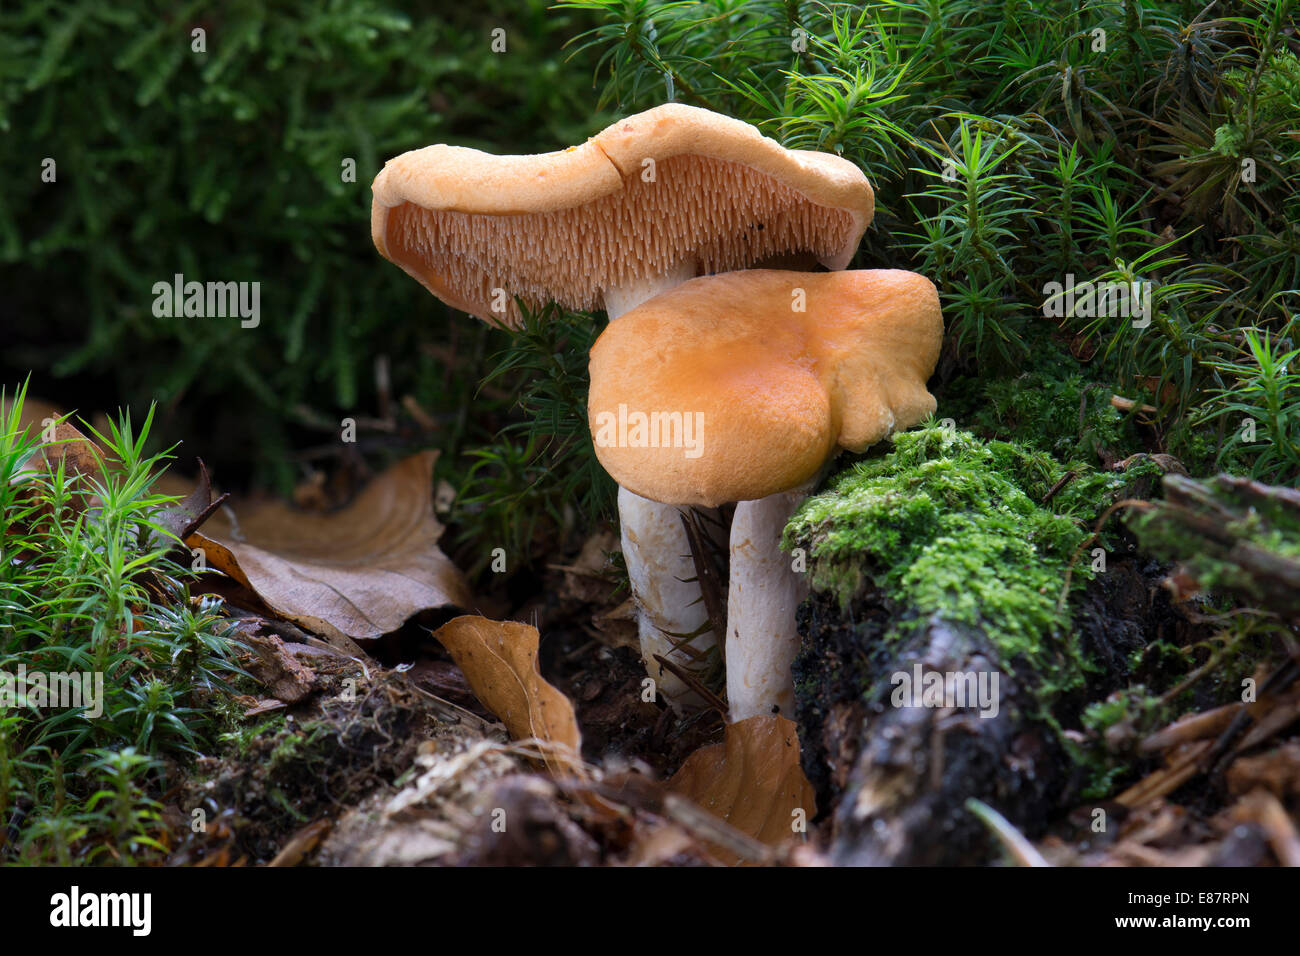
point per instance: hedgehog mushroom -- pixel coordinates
(767, 396)
(644, 205)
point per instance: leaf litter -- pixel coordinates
(342, 758)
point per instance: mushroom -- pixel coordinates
(771, 395)
(651, 201)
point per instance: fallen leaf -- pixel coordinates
(195, 507)
(753, 779)
(301, 843)
(359, 572)
(59, 442)
(499, 659)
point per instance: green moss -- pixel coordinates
(1066, 415)
(948, 524)
(1197, 447)
(1110, 722)
(301, 745)
(243, 735)
(1051, 405)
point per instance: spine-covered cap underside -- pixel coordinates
(674, 184)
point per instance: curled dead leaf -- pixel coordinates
(195, 506)
(359, 572)
(499, 659)
(753, 780)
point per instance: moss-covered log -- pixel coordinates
(903, 772)
(940, 661)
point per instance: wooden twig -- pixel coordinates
(1128, 404)
(1053, 491)
(1194, 727)
(1167, 779)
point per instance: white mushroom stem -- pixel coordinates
(658, 555)
(662, 575)
(765, 592)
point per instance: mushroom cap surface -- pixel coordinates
(752, 396)
(671, 185)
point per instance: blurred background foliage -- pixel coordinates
(1012, 144)
(228, 166)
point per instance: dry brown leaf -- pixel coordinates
(197, 502)
(302, 843)
(359, 572)
(67, 444)
(59, 442)
(753, 779)
(499, 659)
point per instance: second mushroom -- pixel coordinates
(741, 387)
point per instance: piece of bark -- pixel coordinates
(858, 749)
(279, 671)
(903, 798)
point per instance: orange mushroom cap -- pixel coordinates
(743, 395)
